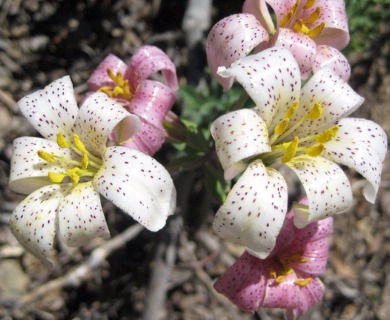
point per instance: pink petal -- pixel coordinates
(148, 60)
(244, 282)
(334, 59)
(336, 32)
(301, 46)
(100, 78)
(280, 7)
(259, 9)
(148, 139)
(152, 101)
(296, 299)
(230, 39)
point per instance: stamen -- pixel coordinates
(290, 14)
(121, 89)
(281, 127)
(316, 30)
(279, 279)
(327, 135)
(315, 112)
(78, 143)
(308, 4)
(291, 150)
(314, 151)
(45, 156)
(61, 141)
(303, 282)
(313, 16)
(300, 27)
(56, 177)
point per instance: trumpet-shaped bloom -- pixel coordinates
(64, 172)
(305, 129)
(129, 85)
(287, 278)
(312, 30)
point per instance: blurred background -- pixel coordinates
(170, 274)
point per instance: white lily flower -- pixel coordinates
(65, 172)
(302, 128)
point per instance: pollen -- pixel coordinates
(315, 150)
(315, 112)
(120, 90)
(303, 282)
(61, 141)
(56, 177)
(291, 150)
(327, 135)
(45, 156)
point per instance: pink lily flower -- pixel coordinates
(287, 278)
(301, 26)
(129, 85)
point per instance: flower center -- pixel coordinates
(312, 146)
(121, 90)
(307, 26)
(286, 269)
(75, 171)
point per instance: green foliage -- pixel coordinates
(364, 17)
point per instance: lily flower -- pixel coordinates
(288, 277)
(129, 85)
(313, 30)
(306, 130)
(64, 172)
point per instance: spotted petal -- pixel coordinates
(230, 39)
(137, 184)
(254, 210)
(335, 33)
(239, 135)
(80, 216)
(259, 9)
(245, 282)
(100, 78)
(301, 46)
(296, 299)
(51, 109)
(148, 60)
(336, 97)
(97, 117)
(34, 221)
(327, 188)
(28, 171)
(272, 80)
(360, 144)
(334, 59)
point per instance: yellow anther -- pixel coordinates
(74, 175)
(297, 258)
(316, 30)
(84, 160)
(291, 110)
(279, 279)
(56, 177)
(272, 274)
(111, 74)
(313, 16)
(315, 150)
(315, 112)
(78, 143)
(287, 270)
(281, 127)
(286, 19)
(291, 150)
(45, 156)
(121, 89)
(61, 141)
(300, 27)
(303, 282)
(327, 135)
(308, 4)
